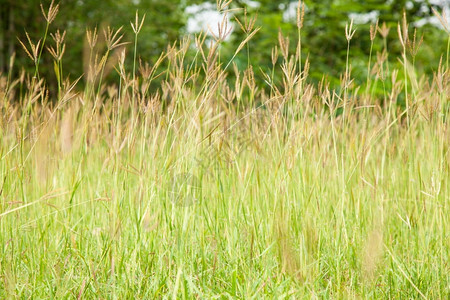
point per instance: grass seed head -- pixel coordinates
(349, 31)
(52, 12)
(33, 52)
(373, 31)
(384, 30)
(300, 14)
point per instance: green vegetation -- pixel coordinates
(166, 23)
(188, 178)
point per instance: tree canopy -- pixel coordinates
(323, 31)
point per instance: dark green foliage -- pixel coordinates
(323, 37)
(165, 22)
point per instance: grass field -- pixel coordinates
(208, 188)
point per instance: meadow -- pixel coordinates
(178, 180)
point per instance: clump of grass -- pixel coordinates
(290, 199)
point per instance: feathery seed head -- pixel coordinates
(373, 31)
(403, 31)
(33, 52)
(60, 46)
(91, 37)
(51, 13)
(384, 30)
(300, 14)
(137, 26)
(113, 38)
(349, 31)
(443, 20)
(414, 45)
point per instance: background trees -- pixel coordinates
(165, 23)
(324, 39)
(323, 31)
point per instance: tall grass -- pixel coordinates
(201, 189)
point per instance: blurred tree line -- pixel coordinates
(323, 37)
(323, 34)
(165, 23)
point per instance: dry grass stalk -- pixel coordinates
(67, 131)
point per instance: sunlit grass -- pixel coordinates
(203, 190)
